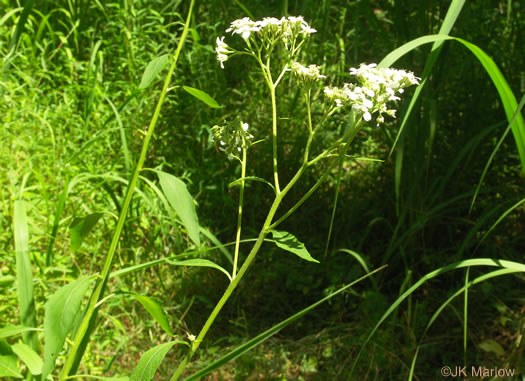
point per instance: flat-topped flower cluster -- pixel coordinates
(377, 86)
(274, 27)
(289, 32)
(368, 97)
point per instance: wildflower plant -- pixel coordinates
(275, 44)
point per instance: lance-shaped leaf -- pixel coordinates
(202, 96)
(199, 263)
(29, 357)
(153, 68)
(182, 202)
(80, 228)
(150, 361)
(155, 310)
(61, 311)
(288, 242)
(8, 367)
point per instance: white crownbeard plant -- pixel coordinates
(368, 98)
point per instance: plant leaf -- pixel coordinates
(490, 345)
(153, 68)
(29, 357)
(182, 202)
(8, 367)
(202, 96)
(199, 263)
(14, 330)
(156, 311)
(150, 361)
(61, 311)
(288, 242)
(80, 228)
(24, 273)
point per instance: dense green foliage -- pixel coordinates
(74, 117)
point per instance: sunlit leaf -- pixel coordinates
(155, 311)
(29, 357)
(153, 68)
(199, 263)
(8, 367)
(80, 228)
(202, 96)
(61, 311)
(288, 242)
(182, 202)
(150, 361)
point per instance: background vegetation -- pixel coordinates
(73, 118)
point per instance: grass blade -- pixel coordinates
(24, 273)
(14, 331)
(477, 280)
(491, 157)
(442, 270)
(240, 350)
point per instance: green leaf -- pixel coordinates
(250, 178)
(29, 357)
(14, 330)
(150, 361)
(80, 228)
(153, 68)
(199, 263)
(490, 345)
(182, 202)
(289, 243)
(156, 311)
(8, 367)
(24, 272)
(61, 311)
(202, 96)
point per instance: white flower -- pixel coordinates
(377, 86)
(222, 51)
(244, 27)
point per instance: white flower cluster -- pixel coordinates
(376, 88)
(222, 51)
(270, 30)
(286, 26)
(307, 74)
(231, 136)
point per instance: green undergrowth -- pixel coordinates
(73, 120)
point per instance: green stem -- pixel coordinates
(239, 215)
(274, 138)
(255, 249)
(98, 292)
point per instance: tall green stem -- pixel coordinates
(98, 292)
(239, 214)
(274, 139)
